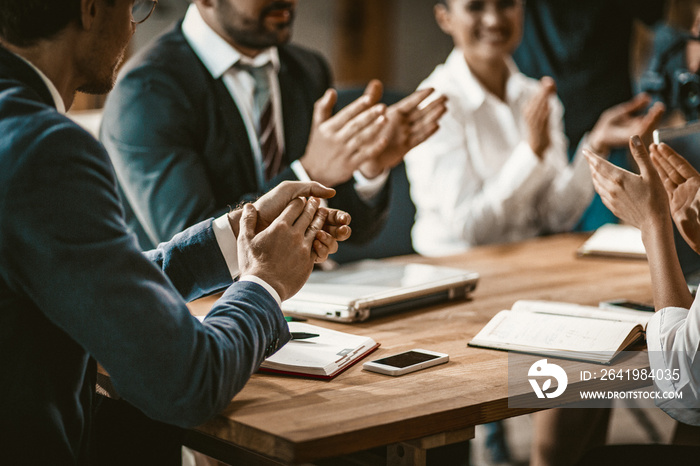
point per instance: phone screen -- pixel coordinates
(406, 359)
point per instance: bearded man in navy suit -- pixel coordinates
(188, 138)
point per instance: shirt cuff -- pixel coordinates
(299, 171)
(264, 284)
(365, 188)
(227, 243)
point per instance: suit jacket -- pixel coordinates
(180, 147)
(75, 288)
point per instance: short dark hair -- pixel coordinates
(25, 22)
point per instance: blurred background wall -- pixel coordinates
(396, 41)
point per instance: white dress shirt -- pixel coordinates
(219, 58)
(673, 341)
(477, 181)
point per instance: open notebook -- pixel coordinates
(355, 292)
(564, 330)
(686, 141)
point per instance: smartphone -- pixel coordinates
(626, 304)
(408, 361)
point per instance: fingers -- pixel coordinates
(367, 148)
(308, 214)
(635, 104)
(359, 105)
(682, 168)
(338, 217)
(652, 118)
(607, 179)
(669, 175)
(548, 85)
(537, 109)
(247, 223)
(323, 108)
(323, 246)
(292, 212)
(599, 166)
(410, 103)
(318, 218)
(337, 224)
(294, 189)
(364, 126)
(374, 90)
(640, 154)
(425, 122)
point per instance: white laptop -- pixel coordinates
(356, 292)
(686, 141)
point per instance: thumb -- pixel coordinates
(249, 220)
(548, 84)
(641, 155)
(374, 90)
(323, 108)
(318, 190)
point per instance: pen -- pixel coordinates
(303, 335)
(294, 319)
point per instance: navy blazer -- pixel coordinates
(180, 147)
(75, 288)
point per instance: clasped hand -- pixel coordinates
(285, 232)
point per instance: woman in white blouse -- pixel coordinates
(497, 169)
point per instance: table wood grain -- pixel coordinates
(294, 420)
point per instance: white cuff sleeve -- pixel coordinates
(299, 171)
(227, 243)
(264, 284)
(366, 189)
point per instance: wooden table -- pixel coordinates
(293, 420)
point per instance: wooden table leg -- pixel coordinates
(435, 449)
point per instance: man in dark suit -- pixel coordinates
(188, 138)
(75, 289)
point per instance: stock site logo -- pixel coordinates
(542, 369)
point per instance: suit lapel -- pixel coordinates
(296, 113)
(233, 122)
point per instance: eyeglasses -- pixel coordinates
(477, 7)
(142, 10)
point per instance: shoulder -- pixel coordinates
(46, 153)
(168, 60)
(165, 82)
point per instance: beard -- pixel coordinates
(254, 33)
(101, 82)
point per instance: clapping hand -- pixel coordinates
(639, 200)
(409, 124)
(616, 123)
(537, 113)
(682, 183)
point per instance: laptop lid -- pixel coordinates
(370, 288)
(686, 141)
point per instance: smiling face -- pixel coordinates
(253, 24)
(483, 29)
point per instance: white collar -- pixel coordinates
(57, 99)
(217, 54)
(474, 91)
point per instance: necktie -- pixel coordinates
(265, 117)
